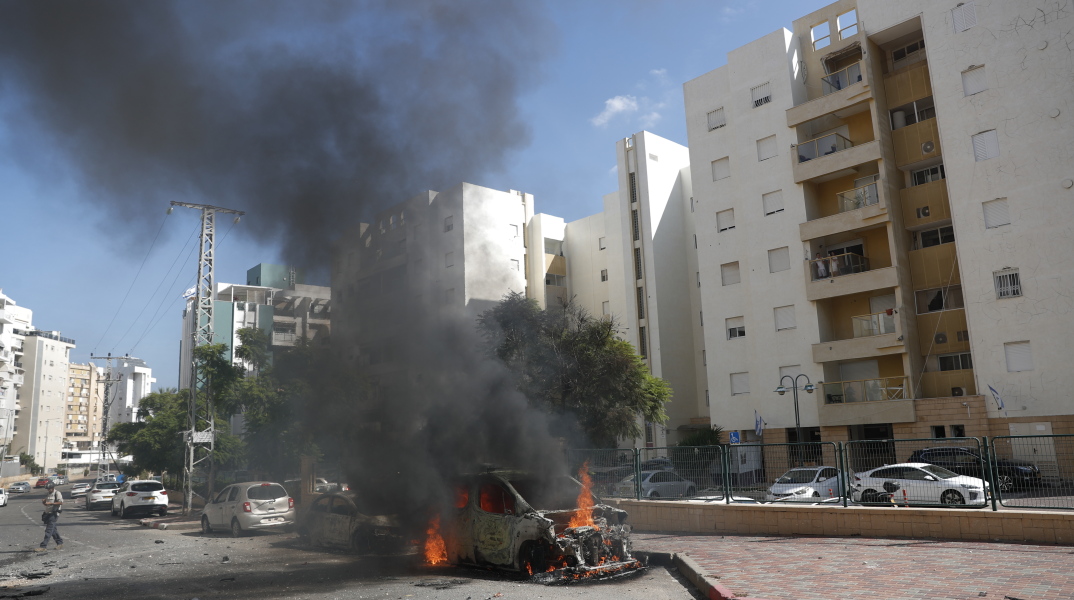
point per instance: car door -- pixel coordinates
(215, 510)
(230, 506)
(117, 496)
(493, 524)
(460, 538)
(827, 483)
(315, 519)
(337, 522)
(919, 486)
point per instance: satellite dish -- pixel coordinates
(927, 147)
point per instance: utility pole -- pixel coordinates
(201, 415)
(106, 407)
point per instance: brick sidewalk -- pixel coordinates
(806, 568)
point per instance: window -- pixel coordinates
(606, 307)
(772, 202)
(822, 35)
(641, 303)
(654, 157)
(964, 16)
(1008, 285)
(899, 55)
(633, 188)
(939, 431)
(996, 213)
(847, 24)
(973, 80)
(955, 362)
(985, 145)
(784, 317)
(736, 327)
(937, 299)
(1019, 357)
(935, 237)
(555, 280)
(729, 273)
(514, 264)
(779, 259)
(761, 94)
(725, 219)
(791, 371)
(602, 243)
(637, 263)
(958, 431)
(642, 342)
(766, 148)
(923, 176)
(721, 169)
(449, 259)
(717, 119)
(604, 274)
(637, 225)
(449, 223)
(740, 383)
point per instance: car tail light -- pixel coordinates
(290, 502)
(345, 487)
(856, 477)
(95, 491)
(132, 493)
(246, 507)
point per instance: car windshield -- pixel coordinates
(798, 476)
(266, 491)
(560, 493)
(940, 472)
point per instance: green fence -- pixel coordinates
(1034, 471)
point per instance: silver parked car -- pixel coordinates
(659, 484)
(101, 493)
(249, 506)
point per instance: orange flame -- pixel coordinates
(584, 516)
(435, 549)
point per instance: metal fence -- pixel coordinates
(1008, 471)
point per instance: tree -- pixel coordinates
(155, 441)
(575, 367)
(697, 454)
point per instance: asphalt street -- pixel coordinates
(106, 557)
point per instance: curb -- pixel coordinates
(708, 588)
(176, 525)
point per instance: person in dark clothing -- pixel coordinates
(53, 505)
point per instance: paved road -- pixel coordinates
(105, 557)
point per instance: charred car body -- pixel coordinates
(521, 523)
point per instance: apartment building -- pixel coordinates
(85, 401)
(883, 199)
(132, 380)
(14, 320)
(40, 424)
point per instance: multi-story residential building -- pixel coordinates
(876, 190)
(41, 419)
(13, 320)
(85, 390)
(132, 380)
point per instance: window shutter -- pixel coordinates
(986, 145)
(740, 383)
(1019, 357)
(964, 17)
(996, 213)
(725, 219)
(721, 169)
(766, 148)
(784, 316)
(973, 81)
(779, 259)
(761, 95)
(729, 273)
(736, 322)
(773, 202)
(717, 119)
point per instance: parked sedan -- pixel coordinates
(336, 519)
(919, 483)
(249, 506)
(101, 493)
(140, 495)
(79, 489)
(659, 484)
(806, 484)
(19, 487)
(1010, 473)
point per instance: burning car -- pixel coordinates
(518, 522)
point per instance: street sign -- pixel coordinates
(734, 437)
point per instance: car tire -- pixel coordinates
(123, 514)
(951, 497)
(816, 494)
(206, 528)
(114, 513)
(1005, 483)
(236, 529)
(691, 492)
(654, 495)
(869, 495)
(532, 559)
(163, 512)
(360, 542)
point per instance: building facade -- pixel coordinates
(883, 208)
(85, 396)
(43, 396)
(14, 320)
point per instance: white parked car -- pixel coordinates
(3, 497)
(658, 484)
(100, 494)
(919, 483)
(806, 484)
(140, 495)
(79, 489)
(248, 506)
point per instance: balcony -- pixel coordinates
(935, 266)
(944, 384)
(842, 284)
(882, 400)
(866, 390)
(874, 324)
(925, 204)
(915, 143)
(838, 265)
(822, 146)
(874, 335)
(817, 160)
(280, 338)
(841, 79)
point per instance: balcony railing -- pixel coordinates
(865, 390)
(874, 324)
(822, 146)
(858, 198)
(841, 79)
(838, 265)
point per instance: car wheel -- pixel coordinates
(114, 513)
(360, 542)
(691, 492)
(206, 529)
(816, 494)
(951, 497)
(123, 511)
(236, 529)
(654, 495)
(1005, 483)
(870, 496)
(163, 512)
(532, 558)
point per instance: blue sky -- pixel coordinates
(608, 69)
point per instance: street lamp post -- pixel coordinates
(781, 390)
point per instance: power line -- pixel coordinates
(144, 258)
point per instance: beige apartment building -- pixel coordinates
(884, 205)
(85, 395)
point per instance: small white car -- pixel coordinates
(806, 484)
(918, 483)
(79, 489)
(100, 494)
(3, 497)
(658, 484)
(144, 496)
(242, 507)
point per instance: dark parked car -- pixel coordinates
(1010, 474)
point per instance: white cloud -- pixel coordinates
(614, 171)
(650, 120)
(615, 106)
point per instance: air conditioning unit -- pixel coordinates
(958, 391)
(923, 212)
(928, 147)
(941, 338)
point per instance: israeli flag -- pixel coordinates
(758, 423)
(995, 394)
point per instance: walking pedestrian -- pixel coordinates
(53, 506)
